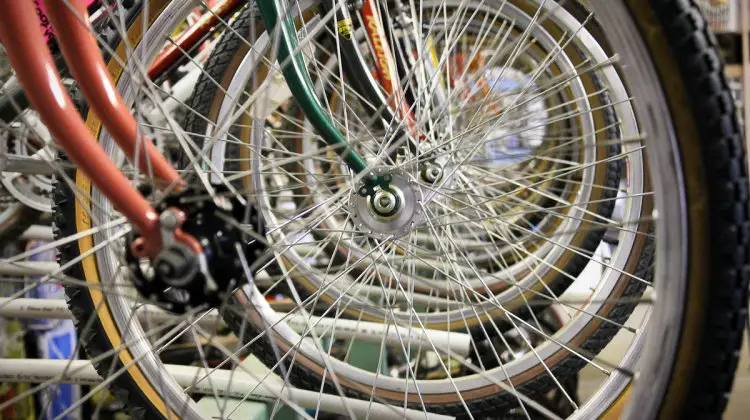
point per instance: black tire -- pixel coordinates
(713, 152)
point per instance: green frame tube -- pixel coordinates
(299, 82)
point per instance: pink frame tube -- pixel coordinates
(81, 52)
(36, 71)
(49, 35)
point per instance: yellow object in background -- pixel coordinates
(13, 348)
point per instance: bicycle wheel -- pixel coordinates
(530, 358)
(581, 207)
(217, 104)
(215, 100)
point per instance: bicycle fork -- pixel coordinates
(36, 71)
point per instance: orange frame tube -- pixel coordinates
(81, 52)
(29, 56)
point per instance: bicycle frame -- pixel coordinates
(171, 55)
(300, 83)
(49, 34)
(394, 107)
(35, 67)
(386, 65)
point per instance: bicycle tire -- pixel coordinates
(99, 334)
(688, 48)
(687, 61)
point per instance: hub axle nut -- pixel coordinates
(177, 265)
(386, 204)
(432, 174)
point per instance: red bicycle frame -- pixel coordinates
(206, 24)
(36, 71)
(46, 27)
(461, 65)
(194, 34)
(386, 65)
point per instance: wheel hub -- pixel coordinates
(179, 280)
(390, 211)
(431, 173)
